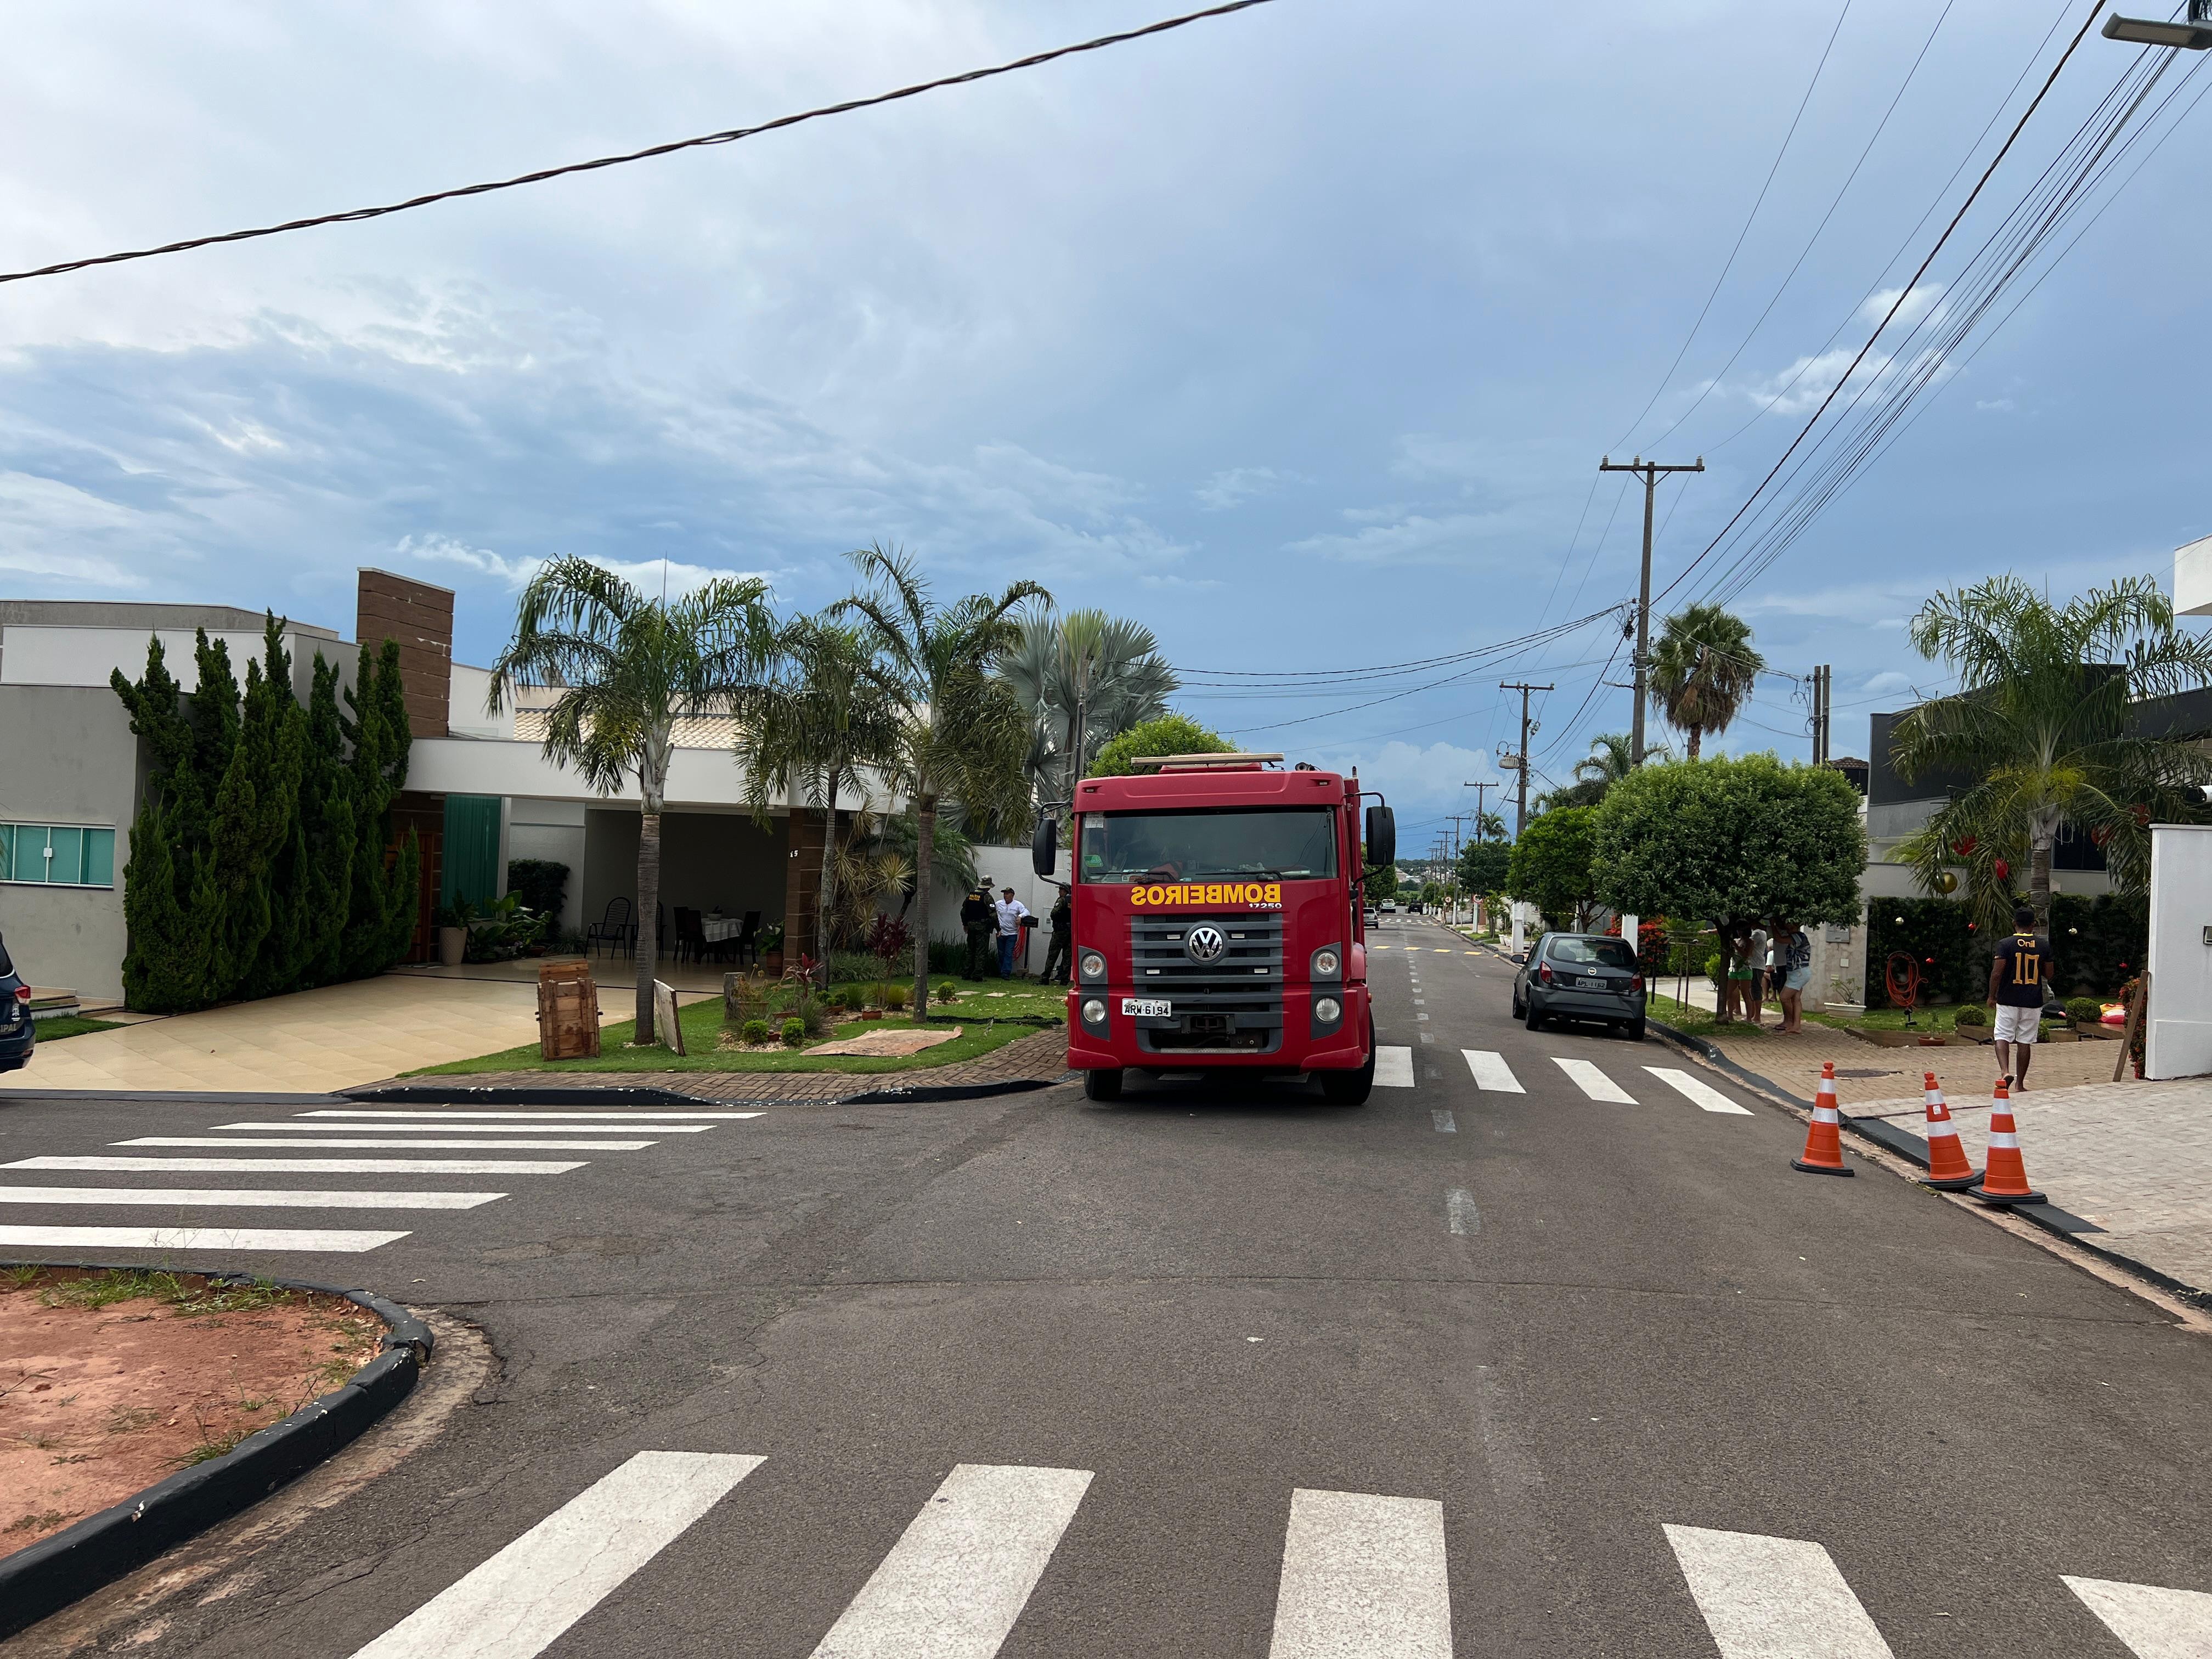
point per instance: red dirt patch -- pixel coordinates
(113, 1380)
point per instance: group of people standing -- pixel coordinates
(987, 920)
(1763, 964)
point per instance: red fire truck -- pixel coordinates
(1218, 925)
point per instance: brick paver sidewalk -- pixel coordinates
(1041, 1057)
(2133, 1157)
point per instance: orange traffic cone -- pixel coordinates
(1948, 1169)
(1824, 1141)
(2006, 1179)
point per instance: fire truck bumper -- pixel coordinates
(1101, 1037)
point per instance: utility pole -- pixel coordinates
(1824, 689)
(1479, 789)
(1521, 760)
(1650, 470)
(1458, 819)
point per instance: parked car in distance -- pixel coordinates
(1581, 976)
(17, 1037)
(1388, 908)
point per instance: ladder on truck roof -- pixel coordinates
(1201, 762)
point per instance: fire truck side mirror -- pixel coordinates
(1381, 837)
(1044, 846)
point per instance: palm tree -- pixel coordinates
(962, 732)
(814, 729)
(1702, 669)
(628, 666)
(2042, 719)
(1084, 677)
(1490, 826)
(1607, 762)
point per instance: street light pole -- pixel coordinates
(2193, 32)
(1650, 470)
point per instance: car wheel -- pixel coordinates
(1105, 1085)
(1634, 1030)
(1519, 1009)
(1534, 1017)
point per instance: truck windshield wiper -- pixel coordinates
(1215, 875)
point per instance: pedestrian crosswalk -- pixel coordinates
(1360, 1573)
(302, 1144)
(1493, 1074)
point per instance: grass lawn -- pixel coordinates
(977, 1004)
(1935, 1022)
(70, 1025)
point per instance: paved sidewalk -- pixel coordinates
(1865, 1072)
(310, 1043)
(1041, 1057)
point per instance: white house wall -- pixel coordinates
(2178, 1042)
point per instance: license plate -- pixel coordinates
(1589, 985)
(1155, 1007)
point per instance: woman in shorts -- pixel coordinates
(1796, 948)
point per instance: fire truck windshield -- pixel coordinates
(1119, 848)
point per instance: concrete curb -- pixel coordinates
(2062, 1224)
(49, 1574)
(523, 1094)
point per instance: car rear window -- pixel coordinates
(1605, 953)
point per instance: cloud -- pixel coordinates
(1995, 405)
(1413, 538)
(648, 575)
(1416, 776)
(1237, 485)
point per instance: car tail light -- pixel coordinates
(1635, 983)
(1544, 972)
(22, 994)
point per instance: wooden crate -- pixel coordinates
(568, 1011)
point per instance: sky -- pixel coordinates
(1297, 335)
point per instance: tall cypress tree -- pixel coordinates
(382, 896)
(251, 818)
(276, 728)
(326, 820)
(164, 960)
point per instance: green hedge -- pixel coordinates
(2099, 945)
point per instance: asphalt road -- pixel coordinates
(1216, 1373)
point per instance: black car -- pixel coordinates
(1581, 976)
(16, 1040)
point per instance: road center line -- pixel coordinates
(1444, 1121)
(517, 1604)
(1461, 1217)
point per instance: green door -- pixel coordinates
(470, 865)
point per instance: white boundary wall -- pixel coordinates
(2179, 1042)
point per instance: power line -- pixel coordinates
(729, 137)
(1903, 293)
(1730, 263)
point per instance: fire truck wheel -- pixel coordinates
(1352, 1088)
(1102, 1084)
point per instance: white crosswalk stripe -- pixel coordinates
(1491, 1072)
(1394, 1067)
(458, 1166)
(446, 1113)
(1364, 1576)
(246, 1198)
(196, 1239)
(297, 1128)
(1593, 1082)
(1773, 1598)
(2154, 1623)
(1707, 1097)
(359, 1143)
(961, 1574)
(518, 1603)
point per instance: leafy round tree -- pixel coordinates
(1170, 734)
(1550, 865)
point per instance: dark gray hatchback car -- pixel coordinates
(1581, 976)
(17, 1038)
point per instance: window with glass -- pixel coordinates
(1208, 843)
(58, 855)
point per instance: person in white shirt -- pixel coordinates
(1011, 912)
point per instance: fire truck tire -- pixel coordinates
(1104, 1084)
(1352, 1088)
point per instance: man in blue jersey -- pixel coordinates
(2020, 969)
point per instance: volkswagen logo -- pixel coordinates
(1205, 943)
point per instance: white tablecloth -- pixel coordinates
(719, 928)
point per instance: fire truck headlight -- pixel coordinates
(1094, 965)
(1094, 1011)
(1325, 965)
(1328, 1011)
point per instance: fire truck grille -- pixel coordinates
(1233, 1004)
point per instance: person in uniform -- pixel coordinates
(2020, 969)
(978, 919)
(1060, 956)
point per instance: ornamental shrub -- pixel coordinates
(895, 996)
(1970, 1013)
(754, 1032)
(2084, 1011)
(948, 992)
(794, 1033)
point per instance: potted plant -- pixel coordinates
(452, 924)
(771, 950)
